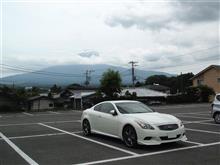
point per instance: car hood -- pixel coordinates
(154, 118)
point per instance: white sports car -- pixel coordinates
(133, 122)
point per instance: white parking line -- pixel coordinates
(91, 140)
(40, 135)
(189, 113)
(200, 121)
(18, 150)
(199, 130)
(196, 117)
(49, 122)
(28, 114)
(218, 125)
(191, 142)
(57, 113)
(149, 154)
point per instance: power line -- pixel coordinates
(26, 70)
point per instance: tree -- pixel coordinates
(176, 83)
(205, 92)
(110, 83)
(55, 89)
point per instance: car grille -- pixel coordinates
(168, 127)
(166, 137)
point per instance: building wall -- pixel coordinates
(210, 78)
(42, 104)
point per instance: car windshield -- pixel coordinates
(132, 107)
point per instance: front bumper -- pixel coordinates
(157, 137)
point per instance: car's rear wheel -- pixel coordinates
(86, 127)
(217, 118)
(129, 136)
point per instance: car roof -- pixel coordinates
(119, 101)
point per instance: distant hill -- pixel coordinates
(75, 74)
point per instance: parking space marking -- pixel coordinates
(210, 124)
(91, 140)
(40, 135)
(28, 114)
(48, 122)
(203, 131)
(196, 117)
(183, 113)
(149, 154)
(18, 150)
(191, 142)
(200, 121)
(54, 112)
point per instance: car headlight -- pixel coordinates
(144, 125)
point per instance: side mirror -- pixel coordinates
(113, 112)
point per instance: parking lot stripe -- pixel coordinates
(54, 112)
(210, 124)
(199, 130)
(200, 121)
(18, 150)
(28, 114)
(189, 113)
(196, 117)
(193, 142)
(91, 140)
(149, 154)
(49, 122)
(40, 135)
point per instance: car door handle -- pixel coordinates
(99, 116)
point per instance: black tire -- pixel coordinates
(129, 136)
(86, 128)
(217, 118)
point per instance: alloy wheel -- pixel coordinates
(217, 118)
(86, 128)
(130, 136)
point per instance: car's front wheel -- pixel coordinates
(86, 127)
(217, 118)
(129, 136)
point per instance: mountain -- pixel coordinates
(69, 74)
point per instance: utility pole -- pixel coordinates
(88, 76)
(133, 78)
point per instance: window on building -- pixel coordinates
(218, 79)
(200, 82)
(51, 105)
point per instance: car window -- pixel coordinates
(107, 107)
(98, 107)
(132, 107)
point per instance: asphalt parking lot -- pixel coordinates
(56, 138)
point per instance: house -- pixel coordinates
(143, 94)
(210, 76)
(81, 99)
(38, 103)
(76, 99)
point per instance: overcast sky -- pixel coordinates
(170, 36)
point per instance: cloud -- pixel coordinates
(165, 15)
(141, 22)
(197, 11)
(88, 53)
(142, 16)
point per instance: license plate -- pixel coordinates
(171, 135)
